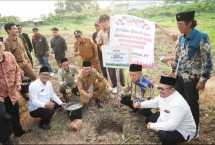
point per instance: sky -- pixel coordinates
(31, 9)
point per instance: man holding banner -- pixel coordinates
(103, 39)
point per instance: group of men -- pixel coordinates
(174, 113)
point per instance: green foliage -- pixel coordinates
(9, 19)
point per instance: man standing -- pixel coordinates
(43, 101)
(103, 39)
(98, 27)
(15, 45)
(66, 78)
(193, 61)
(26, 41)
(41, 49)
(90, 81)
(175, 123)
(10, 84)
(85, 48)
(138, 90)
(58, 44)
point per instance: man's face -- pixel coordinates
(79, 38)
(19, 29)
(135, 76)
(165, 90)
(2, 48)
(183, 27)
(65, 66)
(105, 24)
(36, 32)
(44, 77)
(98, 27)
(87, 70)
(55, 33)
(13, 31)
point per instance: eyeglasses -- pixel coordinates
(180, 24)
(162, 88)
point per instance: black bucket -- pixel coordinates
(75, 110)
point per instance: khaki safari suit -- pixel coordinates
(17, 48)
(99, 84)
(86, 49)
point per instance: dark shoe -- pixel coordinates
(98, 102)
(45, 126)
(23, 132)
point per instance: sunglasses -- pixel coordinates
(162, 89)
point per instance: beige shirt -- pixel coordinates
(103, 37)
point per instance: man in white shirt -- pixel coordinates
(43, 101)
(175, 123)
(66, 78)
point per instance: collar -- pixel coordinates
(168, 98)
(11, 40)
(191, 35)
(83, 41)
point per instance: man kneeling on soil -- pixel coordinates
(66, 78)
(175, 122)
(90, 81)
(43, 101)
(138, 90)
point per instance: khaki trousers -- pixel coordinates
(98, 87)
(28, 70)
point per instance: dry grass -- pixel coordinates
(131, 128)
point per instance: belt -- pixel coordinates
(19, 61)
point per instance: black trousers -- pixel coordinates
(44, 113)
(126, 100)
(13, 111)
(191, 94)
(166, 137)
(5, 125)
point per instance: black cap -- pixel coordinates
(185, 16)
(135, 67)
(168, 81)
(44, 69)
(63, 60)
(77, 33)
(87, 63)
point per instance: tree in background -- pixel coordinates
(69, 6)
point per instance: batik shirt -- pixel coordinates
(193, 56)
(142, 89)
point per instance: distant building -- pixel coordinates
(32, 23)
(129, 5)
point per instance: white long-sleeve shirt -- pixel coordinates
(175, 114)
(40, 94)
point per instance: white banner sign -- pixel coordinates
(116, 56)
(136, 32)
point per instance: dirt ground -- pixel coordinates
(114, 124)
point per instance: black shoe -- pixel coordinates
(23, 132)
(45, 126)
(98, 102)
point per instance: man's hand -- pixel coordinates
(200, 86)
(63, 105)
(77, 54)
(136, 105)
(109, 89)
(149, 125)
(171, 74)
(89, 95)
(64, 84)
(18, 87)
(49, 105)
